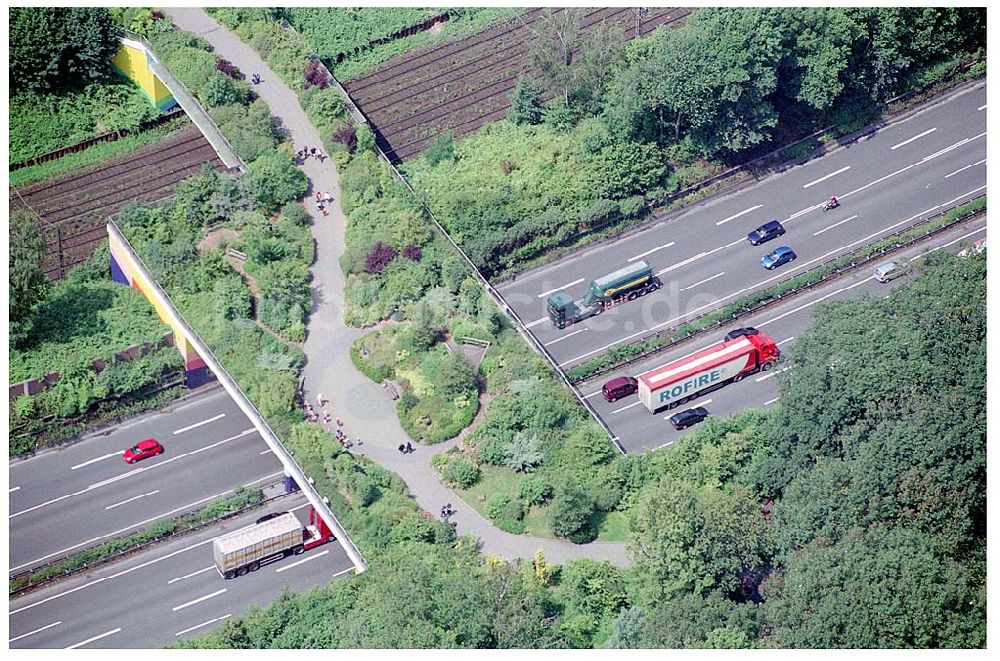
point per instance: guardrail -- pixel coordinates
(784, 296)
(124, 553)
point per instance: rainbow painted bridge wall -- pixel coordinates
(126, 269)
(133, 61)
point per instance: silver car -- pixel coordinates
(891, 271)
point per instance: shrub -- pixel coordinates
(379, 257)
(230, 69)
(440, 149)
(457, 470)
(598, 213)
(347, 136)
(522, 455)
(525, 103)
(631, 207)
(314, 75)
(412, 252)
(571, 513)
(274, 180)
(506, 512)
(535, 490)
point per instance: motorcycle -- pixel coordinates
(832, 203)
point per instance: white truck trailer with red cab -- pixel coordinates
(271, 538)
(685, 379)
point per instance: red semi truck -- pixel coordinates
(271, 538)
(685, 379)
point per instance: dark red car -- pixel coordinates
(141, 450)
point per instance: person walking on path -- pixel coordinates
(320, 399)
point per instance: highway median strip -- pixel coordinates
(242, 501)
(626, 354)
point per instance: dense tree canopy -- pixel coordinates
(27, 251)
(54, 48)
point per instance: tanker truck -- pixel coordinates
(625, 284)
(688, 378)
(273, 537)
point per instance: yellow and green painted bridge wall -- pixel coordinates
(133, 61)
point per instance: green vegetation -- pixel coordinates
(44, 122)
(94, 155)
(60, 48)
(241, 500)
(852, 515)
(335, 30)
(627, 129)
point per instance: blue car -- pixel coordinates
(780, 256)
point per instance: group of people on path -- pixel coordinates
(304, 153)
(327, 418)
(405, 448)
(323, 199)
(447, 510)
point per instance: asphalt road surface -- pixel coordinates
(906, 171)
(639, 430)
(168, 593)
(78, 496)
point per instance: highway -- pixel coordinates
(66, 499)
(166, 594)
(639, 430)
(906, 171)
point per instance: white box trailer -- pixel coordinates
(244, 550)
(685, 379)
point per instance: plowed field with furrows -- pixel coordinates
(79, 203)
(460, 85)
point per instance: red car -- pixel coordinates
(141, 450)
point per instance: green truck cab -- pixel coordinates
(625, 284)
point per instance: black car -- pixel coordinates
(688, 417)
(740, 332)
(769, 230)
(272, 515)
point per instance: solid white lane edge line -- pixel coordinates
(566, 286)
(771, 401)
(203, 624)
(825, 177)
(90, 640)
(194, 573)
(965, 168)
(701, 282)
(341, 573)
(304, 560)
(649, 252)
(31, 633)
(916, 137)
(735, 216)
(142, 495)
(200, 599)
(13, 489)
(199, 424)
(94, 461)
(834, 225)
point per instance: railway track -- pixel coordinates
(459, 86)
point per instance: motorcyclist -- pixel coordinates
(832, 202)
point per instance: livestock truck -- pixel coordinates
(271, 538)
(687, 378)
(625, 284)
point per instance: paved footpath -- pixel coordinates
(364, 407)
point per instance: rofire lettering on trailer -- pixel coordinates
(694, 383)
